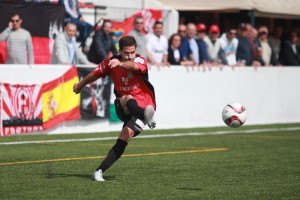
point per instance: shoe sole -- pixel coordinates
(149, 114)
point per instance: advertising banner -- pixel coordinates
(21, 109)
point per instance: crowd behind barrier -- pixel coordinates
(198, 44)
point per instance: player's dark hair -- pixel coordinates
(127, 41)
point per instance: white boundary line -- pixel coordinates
(154, 136)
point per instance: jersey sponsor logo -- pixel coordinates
(129, 88)
(139, 60)
(125, 80)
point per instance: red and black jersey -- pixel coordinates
(128, 82)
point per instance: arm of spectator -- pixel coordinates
(192, 58)
(187, 63)
(69, 10)
(165, 60)
(58, 49)
(4, 35)
(30, 49)
(222, 57)
(151, 59)
(81, 57)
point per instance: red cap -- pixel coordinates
(201, 27)
(214, 29)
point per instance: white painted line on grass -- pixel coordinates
(154, 136)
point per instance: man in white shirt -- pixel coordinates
(157, 46)
(191, 36)
(229, 44)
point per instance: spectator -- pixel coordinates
(73, 14)
(103, 44)
(18, 42)
(201, 29)
(291, 51)
(157, 46)
(267, 54)
(174, 55)
(189, 47)
(139, 36)
(229, 45)
(244, 54)
(182, 30)
(65, 49)
(255, 48)
(215, 52)
(275, 41)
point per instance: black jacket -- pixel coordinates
(171, 58)
(101, 46)
(288, 56)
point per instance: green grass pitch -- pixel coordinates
(264, 164)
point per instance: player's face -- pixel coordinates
(16, 20)
(128, 53)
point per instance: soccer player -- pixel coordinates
(135, 98)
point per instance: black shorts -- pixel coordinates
(131, 122)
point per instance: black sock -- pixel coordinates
(113, 155)
(135, 110)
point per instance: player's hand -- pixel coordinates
(114, 62)
(76, 88)
(10, 25)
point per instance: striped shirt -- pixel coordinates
(18, 46)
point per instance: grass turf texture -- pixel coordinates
(263, 165)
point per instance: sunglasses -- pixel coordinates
(13, 21)
(139, 22)
(232, 33)
(263, 33)
(182, 31)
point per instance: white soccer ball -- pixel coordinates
(234, 115)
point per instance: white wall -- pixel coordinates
(194, 98)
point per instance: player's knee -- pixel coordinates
(136, 125)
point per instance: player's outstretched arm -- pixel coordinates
(88, 79)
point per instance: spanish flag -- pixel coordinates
(59, 103)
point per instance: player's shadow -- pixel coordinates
(83, 176)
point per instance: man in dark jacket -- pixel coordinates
(291, 51)
(243, 53)
(103, 44)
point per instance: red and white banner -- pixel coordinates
(21, 109)
(123, 28)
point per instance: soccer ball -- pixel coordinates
(234, 115)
